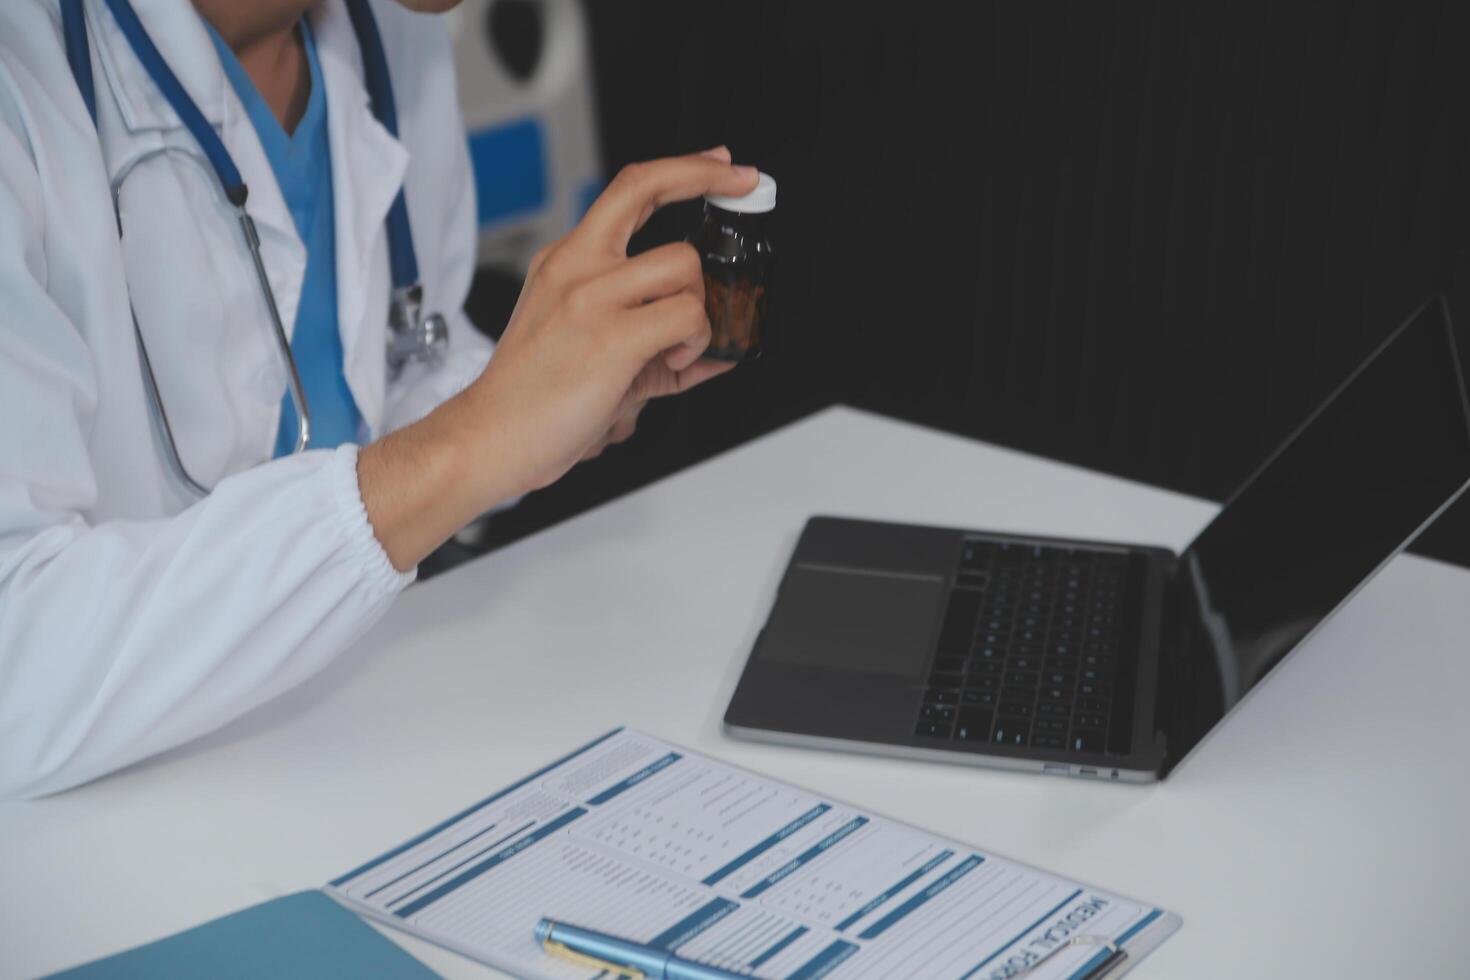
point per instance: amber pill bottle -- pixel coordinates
(736, 256)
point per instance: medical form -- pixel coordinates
(634, 837)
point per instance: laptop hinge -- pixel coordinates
(1171, 629)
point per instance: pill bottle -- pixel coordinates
(736, 256)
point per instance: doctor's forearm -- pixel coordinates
(422, 483)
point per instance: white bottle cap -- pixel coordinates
(758, 201)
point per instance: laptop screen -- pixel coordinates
(1375, 463)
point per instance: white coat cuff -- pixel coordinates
(365, 551)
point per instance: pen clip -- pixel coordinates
(1116, 955)
(562, 951)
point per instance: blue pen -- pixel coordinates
(622, 957)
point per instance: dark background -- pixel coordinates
(1144, 237)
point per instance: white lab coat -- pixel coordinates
(133, 616)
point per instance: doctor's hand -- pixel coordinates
(595, 334)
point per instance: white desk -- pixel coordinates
(1314, 834)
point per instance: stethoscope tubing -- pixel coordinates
(283, 342)
(412, 336)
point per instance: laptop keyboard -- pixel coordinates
(1028, 653)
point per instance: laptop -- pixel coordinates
(1096, 659)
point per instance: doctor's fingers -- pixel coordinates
(659, 272)
(659, 380)
(649, 331)
(621, 431)
(640, 189)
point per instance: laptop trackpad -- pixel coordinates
(855, 619)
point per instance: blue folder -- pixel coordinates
(302, 935)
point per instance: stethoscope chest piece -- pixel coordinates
(412, 336)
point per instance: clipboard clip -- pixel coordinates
(1116, 954)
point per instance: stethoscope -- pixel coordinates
(412, 336)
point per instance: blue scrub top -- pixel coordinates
(302, 162)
